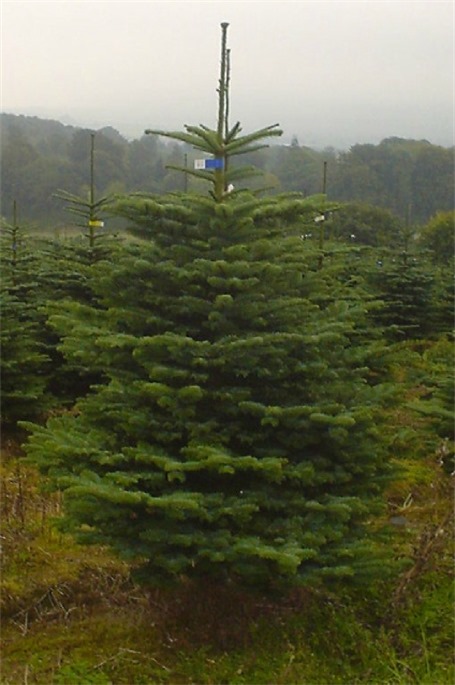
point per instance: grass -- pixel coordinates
(313, 641)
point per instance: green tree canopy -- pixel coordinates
(365, 224)
(438, 235)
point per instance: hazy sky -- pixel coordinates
(332, 72)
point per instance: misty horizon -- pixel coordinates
(131, 131)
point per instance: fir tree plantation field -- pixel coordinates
(79, 614)
(227, 446)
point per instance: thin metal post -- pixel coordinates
(91, 231)
(14, 236)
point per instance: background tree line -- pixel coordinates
(411, 179)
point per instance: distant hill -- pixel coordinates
(413, 179)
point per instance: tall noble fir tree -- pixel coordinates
(237, 432)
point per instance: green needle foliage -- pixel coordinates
(405, 285)
(36, 275)
(23, 361)
(237, 433)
